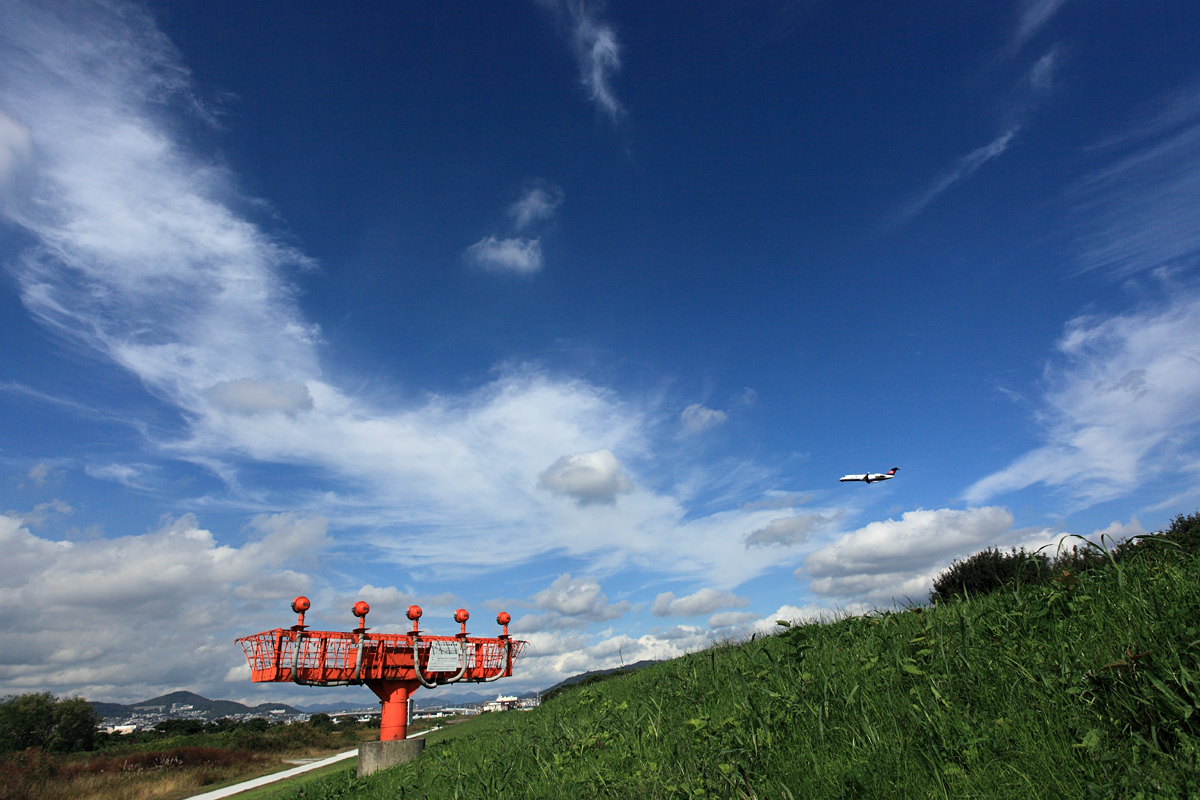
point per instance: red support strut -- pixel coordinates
(393, 696)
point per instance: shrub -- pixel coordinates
(987, 571)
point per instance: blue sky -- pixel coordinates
(574, 310)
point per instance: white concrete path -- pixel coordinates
(245, 786)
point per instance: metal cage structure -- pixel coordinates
(392, 665)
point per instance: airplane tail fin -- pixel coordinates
(893, 470)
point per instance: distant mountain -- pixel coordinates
(212, 709)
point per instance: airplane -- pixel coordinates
(871, 477)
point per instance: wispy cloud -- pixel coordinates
(1123, 405)
(595, 44)
(1035, 16)
(967, 166)
(1142, 211)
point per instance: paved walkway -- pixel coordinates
(244, 786)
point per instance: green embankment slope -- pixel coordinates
(1082, 687)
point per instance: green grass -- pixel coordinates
(291, 787)
(1088, 686)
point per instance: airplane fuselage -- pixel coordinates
(871, 477)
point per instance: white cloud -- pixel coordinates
(731, 619)
(138, 254)
(518, 256)
(539, 203)
(596, 47)
(788, 531)
(594, 477)
(697, 419)
(965, 168)
(810, 612)
(124, 474)
(570, 603)
(900, 558)
(1123, 405)
(38, 473)
(704, 601)
(249, 396)
(141, 256)
(111, 617)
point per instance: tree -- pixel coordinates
(75, 723)
(26, 721)
(38, 720)
(322, 722)
(180, 727)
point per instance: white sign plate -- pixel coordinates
(444, 657)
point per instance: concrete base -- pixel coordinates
(374, 756)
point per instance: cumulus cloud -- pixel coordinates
(518, 256)
(570, 603)
(899, 558)
(810, 612)
(145, 611)
(1123, 405)
(539, 203)
(594, 477)
(788, 531)
(697, 419)
(704, 601)
(731, 619)
(595, 44)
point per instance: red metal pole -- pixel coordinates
(393, 721)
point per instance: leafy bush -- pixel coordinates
(987, 571)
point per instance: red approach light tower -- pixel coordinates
(392, 665)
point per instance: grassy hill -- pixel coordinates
(1085, 686)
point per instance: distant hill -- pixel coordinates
(212, 709)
